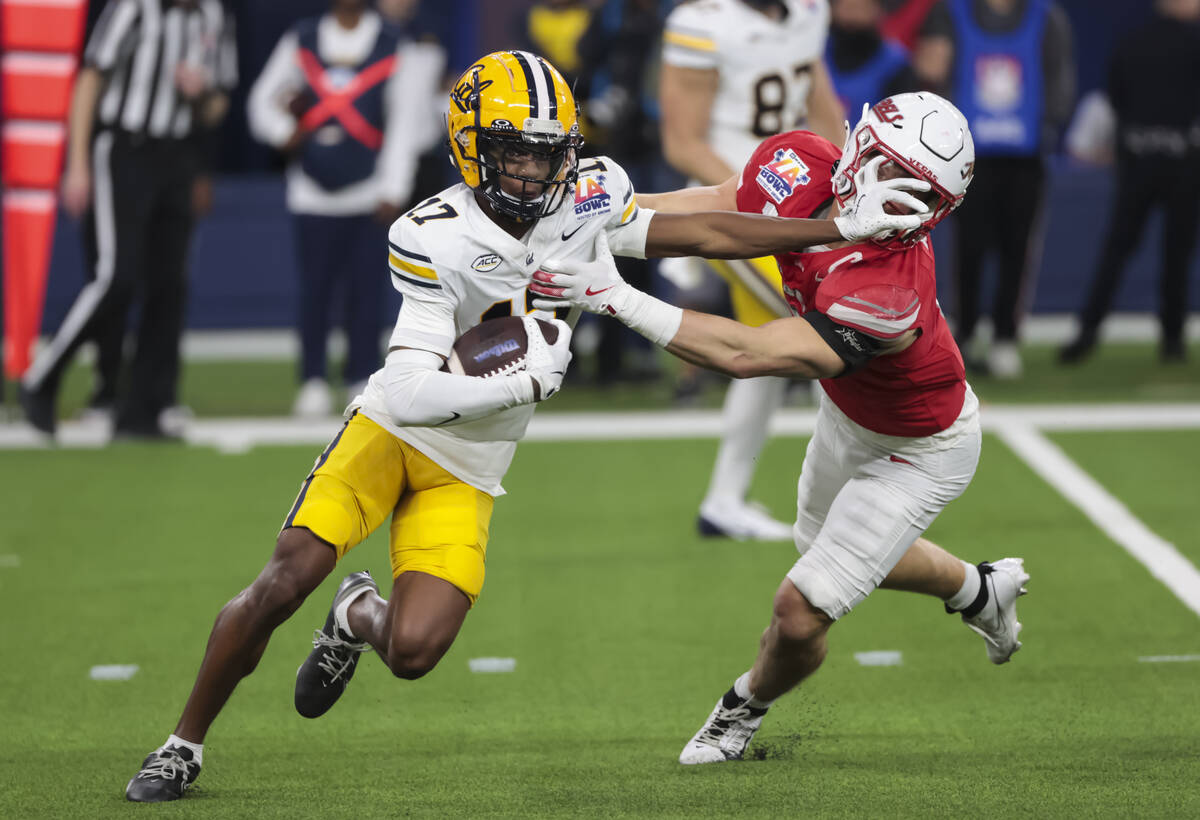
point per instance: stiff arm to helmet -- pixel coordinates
(864, 217)
(927, 137)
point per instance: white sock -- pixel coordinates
(749, 404)
(197, 748)
(741, 688)
(970, 588)
(341, 617)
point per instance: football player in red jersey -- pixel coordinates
(897, 435)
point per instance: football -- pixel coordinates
(494, 347)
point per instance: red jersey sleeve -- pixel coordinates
(883, 304)
(788, 175)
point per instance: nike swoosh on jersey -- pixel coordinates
(453, 417)
(566, 236)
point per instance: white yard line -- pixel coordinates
(880, 657)
(241, 434)
(1113, 518)
(114, 671)
(491, 666)
(1168, 658)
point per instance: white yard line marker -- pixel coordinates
(492, 665)
(10, 561)
(237, 435)
(1113, 518)
(883, 657)
(1168, 658)
(114, 671)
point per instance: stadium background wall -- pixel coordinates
(243, 269)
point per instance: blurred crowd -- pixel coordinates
(350, 101)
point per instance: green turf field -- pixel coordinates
(625, 628)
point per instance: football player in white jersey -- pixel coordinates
(735, 72)
(429, 447)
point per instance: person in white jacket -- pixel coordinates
(351, 102)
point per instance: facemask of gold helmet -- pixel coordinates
(512, 117)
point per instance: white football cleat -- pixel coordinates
(745, 521)
(174, 420)
(726, 733)
(314, 400)
(1004, 361)
(997, 621)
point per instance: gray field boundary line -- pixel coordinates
(1021, 427)
(235, 434)
(282, 344)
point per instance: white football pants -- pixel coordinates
(863, 498)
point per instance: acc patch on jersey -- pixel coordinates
(591, 197)
(780, 177)
(486, 262)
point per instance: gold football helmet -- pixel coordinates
(513, 104)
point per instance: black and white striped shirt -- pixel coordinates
(139, 44)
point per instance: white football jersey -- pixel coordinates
(764, 66)
(456, 267)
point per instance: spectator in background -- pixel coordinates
(433, 172)
(618, 59)
(552, 29)
(1154, 93)
(905, 19)
(734, 72)
(1009, 66)
(154, 84)
(348, 99)
(864, 66)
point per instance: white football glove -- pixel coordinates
(594, 286)
(864, 216)
(546, 363)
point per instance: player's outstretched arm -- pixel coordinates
(727, 235)
(721, 197)
(786, 347)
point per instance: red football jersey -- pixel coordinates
(878, 291)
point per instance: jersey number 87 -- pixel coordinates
(770, 98)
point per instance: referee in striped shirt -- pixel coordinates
(153, 87)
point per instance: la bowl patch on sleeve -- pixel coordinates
(591, 197)
(780, 177)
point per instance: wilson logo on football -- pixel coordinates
(507, 346)
(591, 198)
(780, 177)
